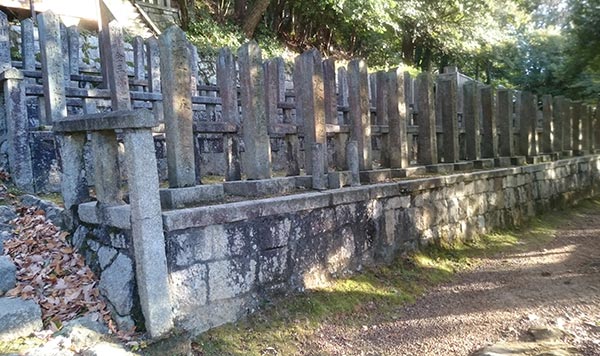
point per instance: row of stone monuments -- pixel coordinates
(336, 128)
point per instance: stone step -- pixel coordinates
(18, 318)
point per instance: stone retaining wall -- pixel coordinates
(223, 259)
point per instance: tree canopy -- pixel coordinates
(547, 46)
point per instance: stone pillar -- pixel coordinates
(549, 132)
(353, 162)
(52, 66)
(5, 62)
(576, 114)
(505, 123)
(104, 143)
(118, 81)
(194, 58)
(397, 120)
(381, 109)
(471, 105)
(272, 98)
(568, 126)
(331, 113)
(409, 93)
(342, 82)
(310, 105)
(449, 113)
(558, 114)
(147, 233)
(596, 128)
(177, 103)
(257, 157)
(427, 143)
(528, 124)
(17, 130)
(226, 80)
(138, 60)
(586, 129)
(64, 36)
(489, 134)
(318, 172)
(73, 184)
(329, 92)
(73, 34)
(360, 120)
(153, 65)
(27, 44)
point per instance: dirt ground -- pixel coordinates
(555, 285)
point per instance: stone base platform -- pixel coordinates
(441, 168)
(502, 161)
(485, 163)
(464, 166)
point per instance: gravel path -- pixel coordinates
(557, 284)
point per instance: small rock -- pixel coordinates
(18, 318)
(106, 349)
(7, 213)
(59, 346)
(30, 200)
(83, 332)
(8, 274)
(545, 333)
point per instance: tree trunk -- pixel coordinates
(239, 10)
(254, 15)
(188, 12)
(408, 46)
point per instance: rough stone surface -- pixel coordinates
(105, 349)
(8, 277)
(116, 284)
(7, 213)
(225, 254)
(18, 318)
(83, 332)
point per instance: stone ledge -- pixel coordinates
(260, 187)
(120, 119)
(115, 216)
(175, 198)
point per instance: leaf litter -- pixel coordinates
(53, 274)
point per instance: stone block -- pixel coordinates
(502, 161)
(566, 154)
(339, 179)
(8, 278)
(175, 198)
(408, 172)
(485, 163)
(375, 176)
(18, 318)
(261, 187)
(534, 159)
(440, 168)
(116, 216)
(116, 284)
(518, 160)
(464, 166)
(273, 265)
(189, 289)
(230, 278)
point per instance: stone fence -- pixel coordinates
(195, 255)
